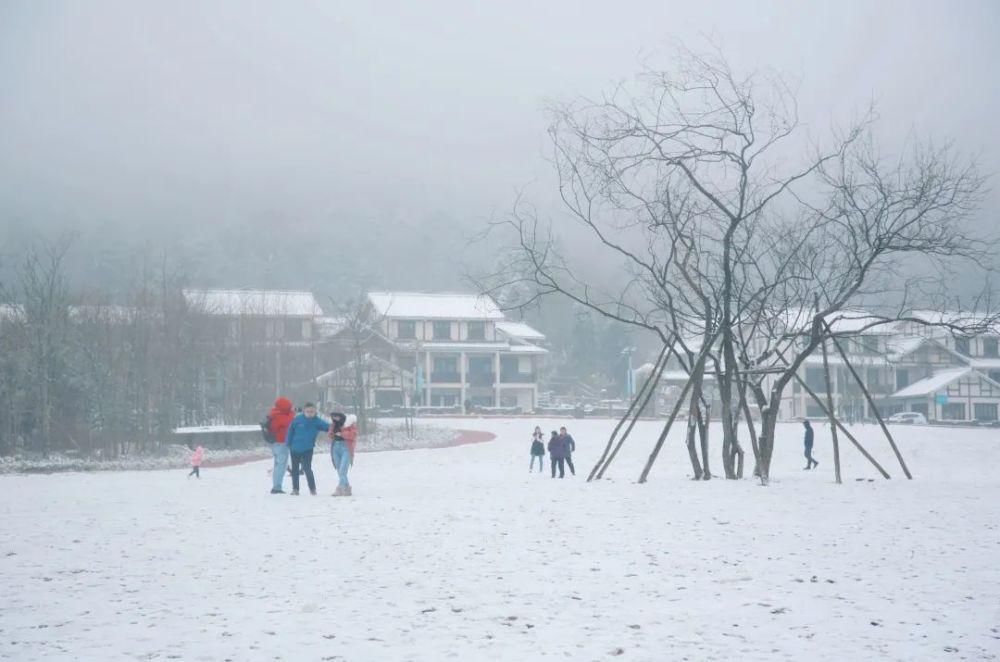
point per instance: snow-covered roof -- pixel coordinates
(528, 349)
(955, 318)
(11, 311)
(933, 384)
(985, 364)
(262, 303)
(215, 429)
(519, 330)
(901, 346)
(440, 305)
(842, 322)
(327, 327)
(366, 360)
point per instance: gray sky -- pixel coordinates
(223, 112)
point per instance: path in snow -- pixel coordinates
(460, 554)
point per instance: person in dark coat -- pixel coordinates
(570, 445)
(537, 450)
(557, 454)
(808, 441)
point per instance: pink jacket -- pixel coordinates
(197, 456)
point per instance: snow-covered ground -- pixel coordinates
(459, 553)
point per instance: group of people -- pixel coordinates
(561, 447)
(292, 435)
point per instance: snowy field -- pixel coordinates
(460, 554)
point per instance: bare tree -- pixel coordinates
(698, 182)
(45, 301)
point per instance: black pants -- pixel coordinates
(194, 472)
(809, 455)
(541, 463)
(569, 463)
(304, 460)
(561, 463)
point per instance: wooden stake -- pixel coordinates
(871, 403)
(699, 365)
(635, 418)
(843, 429)
(830, 414)
(639, 396)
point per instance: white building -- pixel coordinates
(906, 366)
(460, 350)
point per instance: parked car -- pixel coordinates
(908, 417)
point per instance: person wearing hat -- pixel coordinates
(344, 439)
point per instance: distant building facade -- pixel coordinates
(443, 350)
(906, 367)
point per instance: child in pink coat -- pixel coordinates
(196, 457)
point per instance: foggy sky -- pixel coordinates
(173, 115)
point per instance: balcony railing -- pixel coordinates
(517, 377)
(438, 377)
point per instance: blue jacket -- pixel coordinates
(302, 433)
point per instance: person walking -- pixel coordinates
(537, 450)
(279, 419)
(808, 441)
(557, 454)
(570, 446)
(197, 455)
(301, 443)
(344, 440)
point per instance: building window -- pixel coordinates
(995, 375)
(406, 330)
(445, 364)
(442, 330)
(902, 378)
(962, 346)
(868, 344)
(873, 379)
(307, 329)
(274, 329)
(814, 411)
(816, 380)
(985, 411)
(445, 398)
(990, 348)
(477, 330)
(953, 411)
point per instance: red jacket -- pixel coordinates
(281, 417)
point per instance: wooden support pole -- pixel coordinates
(655, 377)
(871, 403)
(830, 413)
(695, 369)
(812, 394)
(641, 395)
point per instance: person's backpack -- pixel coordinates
(265, 429)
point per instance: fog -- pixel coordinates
(243, 137)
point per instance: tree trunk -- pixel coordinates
(769, 423)
(692, 427)
(703, 421)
